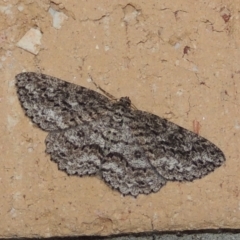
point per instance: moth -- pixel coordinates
(133, 151)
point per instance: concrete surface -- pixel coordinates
(176, 59)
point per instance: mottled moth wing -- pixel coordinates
(54, 104)
(133, 151)
(175, 152)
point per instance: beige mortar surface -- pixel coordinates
(136, 49)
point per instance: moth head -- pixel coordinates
(125, 101)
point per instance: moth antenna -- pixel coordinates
(102, 90)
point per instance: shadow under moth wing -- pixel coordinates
(133, 151)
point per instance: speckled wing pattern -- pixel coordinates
(133, 151)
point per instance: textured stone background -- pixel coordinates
(176, 59)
